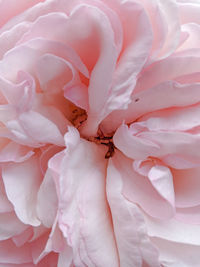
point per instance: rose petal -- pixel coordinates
(138, 189)
(193, 31)
(9, 9)
(133, 244)
(137, 45)
(47, 201)
(32, 122)
(65, 257)
(88, 229)
(189, 12)
(15, 152)
(186, 184)
(24, 237)
(101, 76)
(5, 204)
(174, 254)
(22, 182)
(162, 180)
(132, 146)
(173, 230)
(10, 225)
(178, 95)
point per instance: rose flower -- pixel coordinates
(100, 133)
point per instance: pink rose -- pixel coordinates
(100, 133)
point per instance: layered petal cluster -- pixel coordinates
(99, 133)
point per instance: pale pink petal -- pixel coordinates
(65, 257)
(22, 182)
(47, 243)
(138, 189)
(133, 146)
(180, 162)
(101, 75)
(10, 225)
(161, 140)
(186, 184)
(38, 231)
(55, 74)
(18, 59)
(189, 215)
(24, 237)
(12, 62)
(178, 95)
(19, 265)
(189, 12)
(173, 254)
(32, 122)
(193, 32)
(29, 14)
(84, 216)
(23, 91)
(178, 143)
(15, 152)
(133, 243)
(166, 70)
(8, 39)
(54, 115)
(135, 52)
(46, 155)
(9, 9)
(16, 133)
(47, 201)
(43, 25)
(60, 50)
(181, 119)
(143, 166)
(19, 96)
(77, 94)
(5, 204)
(162, 180)
(173, 230)
(169, 11)
(158, 24)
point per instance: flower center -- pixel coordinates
(106, 141)
(78, 117)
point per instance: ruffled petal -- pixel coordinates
(173, 254)
(102, 72)
(133, 146)
(189, 215)
(84, 216)
(136, 48)
(133, 243)
(186, 184)
(162, 180)
(10, 10)
(173, 230)
(47, 201)
(22, 182)
(10, 225)
(178, 95)
(138, 189)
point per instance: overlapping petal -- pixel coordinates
(84, 217)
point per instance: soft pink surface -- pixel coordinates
(73, 73)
